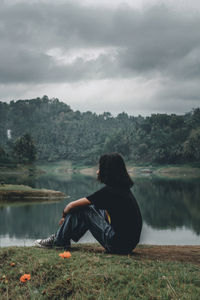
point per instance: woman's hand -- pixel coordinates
(73, 205)
(61, 221)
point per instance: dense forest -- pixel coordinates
(54, 131)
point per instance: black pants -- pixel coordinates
(76, 224)
(82, 219)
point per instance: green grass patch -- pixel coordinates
(9, 192)
(91, 274)
(15, 187)
(21, 188)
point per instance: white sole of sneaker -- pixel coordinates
(37, 244)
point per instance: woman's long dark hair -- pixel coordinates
(112, 171)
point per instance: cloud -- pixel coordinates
(153, 40)
(63, 43)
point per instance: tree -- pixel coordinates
(61, 133)
(3, 155)
(24, 149)
(192, 145)
(117, 142)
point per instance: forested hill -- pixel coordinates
(61, 133)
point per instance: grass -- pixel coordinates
(15, 187)
(10, 192)
(22, 188)
(92, 274)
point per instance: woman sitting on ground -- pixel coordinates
(111, 214)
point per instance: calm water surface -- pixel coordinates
(170, 209)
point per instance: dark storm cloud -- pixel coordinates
(26, 65)
(154, 41)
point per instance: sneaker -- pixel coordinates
(46, 243)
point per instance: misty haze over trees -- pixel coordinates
(56, 132)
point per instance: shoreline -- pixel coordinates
(66, 167)
(164, 171)
(14, 193)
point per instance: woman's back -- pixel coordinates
(124, 212)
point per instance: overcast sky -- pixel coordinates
(137, 56)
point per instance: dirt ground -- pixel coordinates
(186, 254)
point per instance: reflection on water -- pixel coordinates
(170, 203)
(170, 209)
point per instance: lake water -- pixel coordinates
(170, 209)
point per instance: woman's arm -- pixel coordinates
(72, 205)
(75, 204)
